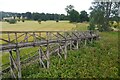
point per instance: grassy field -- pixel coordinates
(35, 26)
(98, 60)
(44, 26)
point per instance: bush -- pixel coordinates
(39, 21)
(12, 21)
(6, 20)
(18, 20)
(23, 20)
(57, 20)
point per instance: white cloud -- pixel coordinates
(47, 6)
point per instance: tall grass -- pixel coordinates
(98, 60)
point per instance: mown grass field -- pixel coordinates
(44, 26)
(35, 26)
(97, 60)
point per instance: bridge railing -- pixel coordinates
(53, 42)
(13, 37)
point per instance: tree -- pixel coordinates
(83, 16)
(28, 15)
(73, 16)
(35, 16)
(102, 12)
(69, 8)
(19, 15)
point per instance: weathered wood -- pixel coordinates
(59, 39)
(47, 51)
(34, 37)
(40, 57)
(65, 54)
(18, 63)
(11, 64)
(26, 37)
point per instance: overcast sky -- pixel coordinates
(46, 6)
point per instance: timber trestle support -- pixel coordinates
(46, 42)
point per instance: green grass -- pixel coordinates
(98, 60)
(31, 26)
(35, 26)
(44, 26)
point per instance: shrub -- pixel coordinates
(39, 21)
(6, 20)
(12, 21)
(57, 20)
(18, 20)
(23, 20)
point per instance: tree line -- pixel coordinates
(102, 15)
(72, 16)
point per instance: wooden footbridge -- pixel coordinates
(46, 42)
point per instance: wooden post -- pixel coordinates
(18, 58)
(18, 63)
(71, 42)
(65, 55)
(11, 61)
(34, 37)
(91, 37)
(47, 51)
(40, 36)
(85, 39)
(26, 37)
(77, 45)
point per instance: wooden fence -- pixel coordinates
(53, 42)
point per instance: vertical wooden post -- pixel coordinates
(47, 51)
(91, 37)
(18, 63)
(65, 54)
(34, 37)
(26, 37)
(9, 37)
(59, 51)
(77, 45)
(40, 36)
(85, 39)
(18, 58)
(71, 41)
(10, 58)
